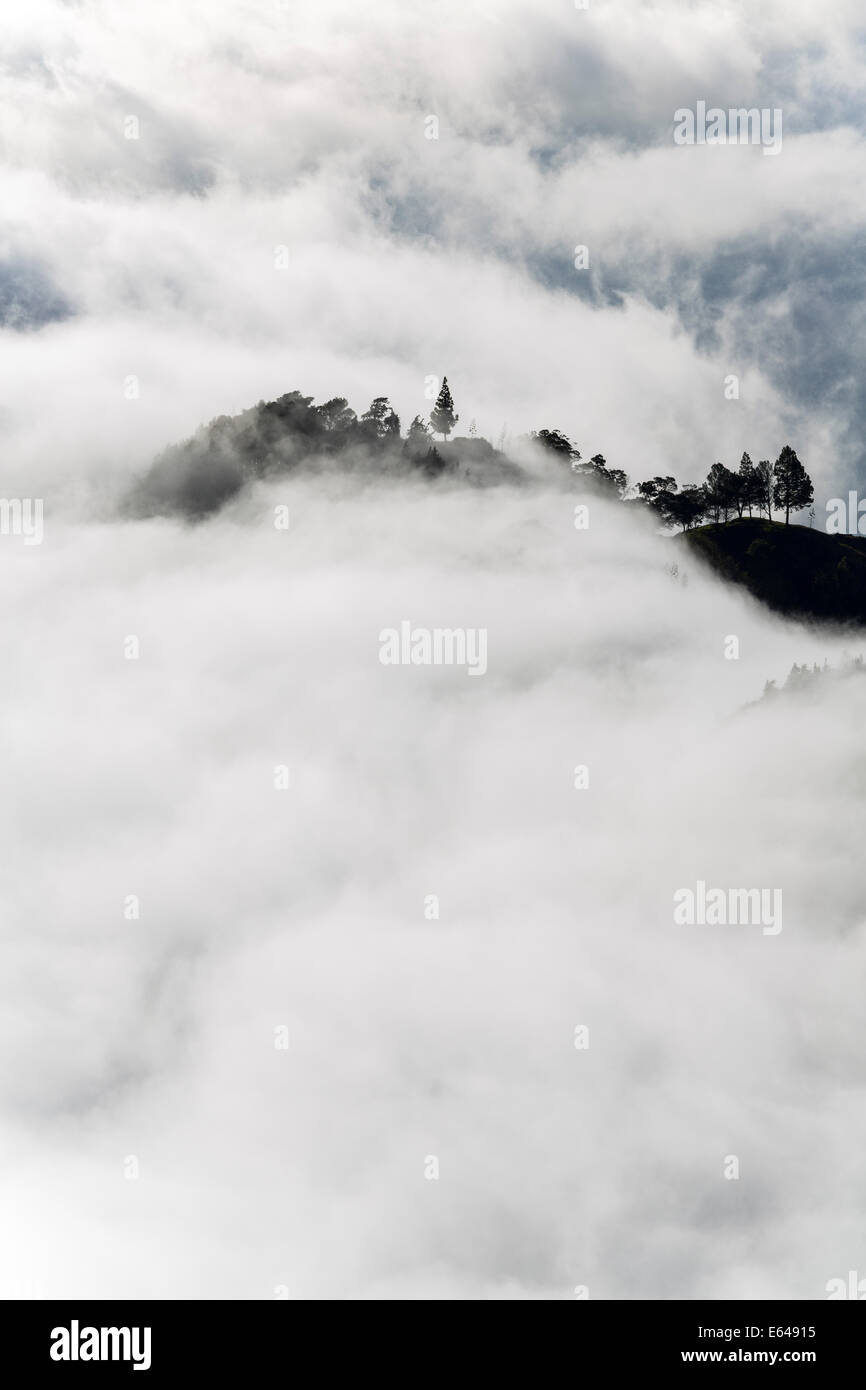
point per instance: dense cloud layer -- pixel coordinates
(305, 909)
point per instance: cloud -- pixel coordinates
(150, 256)
(304, 126)
(304, 909)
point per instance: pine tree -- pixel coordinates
(442, 416)
(792, 486)
(745, 485)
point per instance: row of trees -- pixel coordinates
(198, 475)
(764, 486)
(385, 421)
(784, 485)
(756, 487)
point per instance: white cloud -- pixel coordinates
(304, 127)
(408, 258)
(304, 908)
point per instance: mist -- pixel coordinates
(281, 1037)
(331, 978)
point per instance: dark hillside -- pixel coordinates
(795, 570)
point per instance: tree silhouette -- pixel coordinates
(792, 486)
(721, 491)
(442, 416)
(764, 487)
(558, 442)
(679, 508)
(612, 479)
(745, 485)
(652, 489)
(675, 508)
(336, 415)
(417, 445)
(382, 418)
(690, 506)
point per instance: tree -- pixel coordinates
(434, 463)
(382, 418)
(664, 503)
(745, 485)
(690, 506)
(721, 491)
(442, 416)
(612, 479)
(417, 445)
(419, 429)
(764, 487)
(420, 450)
(558, 442)
(756, 490)
(675, 508)
(650, 490)
(792, 486)
(336, 415)
(683, 509)
(618, 480)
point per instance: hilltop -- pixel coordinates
(200, 475)
(795, 570)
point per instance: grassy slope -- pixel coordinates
(793, 569)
